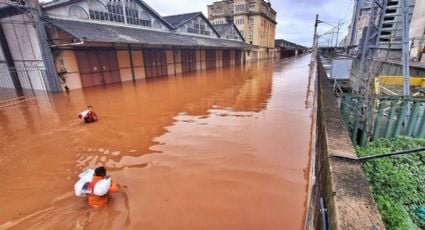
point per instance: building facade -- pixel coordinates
(255, 19)
(99, 42)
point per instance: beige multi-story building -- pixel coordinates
(255, 19)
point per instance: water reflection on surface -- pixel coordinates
(221, 149)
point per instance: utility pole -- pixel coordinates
(314, 48)
(405, 49)
(337, 32)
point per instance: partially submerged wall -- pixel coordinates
(341, 183)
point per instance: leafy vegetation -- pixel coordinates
(397, 182)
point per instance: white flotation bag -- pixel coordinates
(83, 114)
(81, 188)
(102, 187)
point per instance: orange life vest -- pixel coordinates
(95, 201)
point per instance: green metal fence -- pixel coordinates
(392, 116)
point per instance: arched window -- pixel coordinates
(78, 12)
(145, 20)
(132, 12)
(116, 11)
(97, 10)
(156, 24)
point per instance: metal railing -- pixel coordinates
(19, 84)
(392, 116)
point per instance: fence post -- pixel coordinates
(421, 131)
(378, 121)
(400, 117)
(357, 105)
(345, 106)
(412, 119)
(390, 119)
(368, 122)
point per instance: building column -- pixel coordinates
(51, 79)
(131, 62)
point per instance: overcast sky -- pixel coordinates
(295, 18)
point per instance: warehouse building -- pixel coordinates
(98, 42)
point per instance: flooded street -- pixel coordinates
(218, 149)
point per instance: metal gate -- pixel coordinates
(389, 118)
(22, 69)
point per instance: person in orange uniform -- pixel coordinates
(95, 201)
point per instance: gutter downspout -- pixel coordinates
(68, 44)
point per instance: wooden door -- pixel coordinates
(210, 58)
(155, 63)
(226, 58)
(84, 68)
(238, 57)
(188, 59)
(105, 66)
(97, 67)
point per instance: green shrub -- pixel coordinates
(396, 182)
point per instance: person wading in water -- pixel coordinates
(96, 201)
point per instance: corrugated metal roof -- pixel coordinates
(95, 32)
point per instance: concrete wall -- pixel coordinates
(138, 64)
(396, 69)
(66, 60)
(341, 183)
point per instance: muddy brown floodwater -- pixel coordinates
(219, 149)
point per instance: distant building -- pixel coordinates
(255, 19)
(286, 49)
(390, 37)
(359, 22)
(417, 32)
